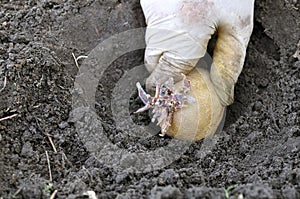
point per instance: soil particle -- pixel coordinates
(27, 150)
(167, 192)
(169, 176)
(289, 192)
(204, 192)
(252, 191)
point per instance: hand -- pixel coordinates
(178, 32)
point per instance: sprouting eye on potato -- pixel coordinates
(188, 110)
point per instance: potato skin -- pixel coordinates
(202, 118)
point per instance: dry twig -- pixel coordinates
(52, 144)
(75, 61)
(8, 117)
(49, 137)
(4, 84)
(49, 167)
(273, 118)
(81, 57)
(78, 58)
(17, 192)
(53, 194)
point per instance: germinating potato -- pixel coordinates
(202, 118)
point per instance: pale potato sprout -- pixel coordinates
(166, 101)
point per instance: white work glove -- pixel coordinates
(178, 32)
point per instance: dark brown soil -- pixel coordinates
(259, 147)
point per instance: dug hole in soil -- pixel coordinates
(257, 153)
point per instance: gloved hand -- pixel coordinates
(178, 32)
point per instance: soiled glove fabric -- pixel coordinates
(177, 36)
(178, 32)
